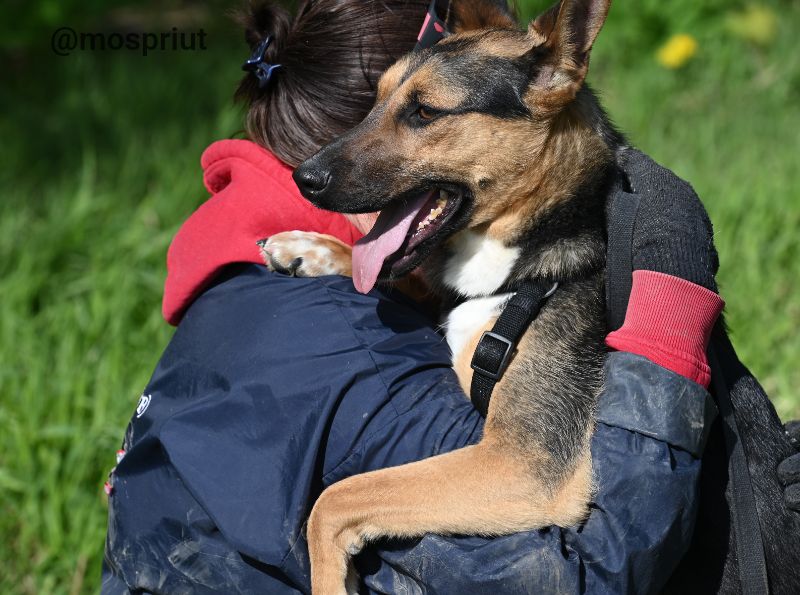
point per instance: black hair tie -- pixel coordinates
(256, 65)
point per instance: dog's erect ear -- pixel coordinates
(471, 15)
(543, 25)
(562, 38)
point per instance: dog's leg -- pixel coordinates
(306, 254)
(487, 489)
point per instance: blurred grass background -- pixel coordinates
(99, 155)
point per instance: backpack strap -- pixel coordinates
(744, 514)
(621, 217)
(621, 220)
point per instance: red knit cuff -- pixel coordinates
(669, 321)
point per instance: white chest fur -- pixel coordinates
(476, 269)
(479, 265)
(464, 321)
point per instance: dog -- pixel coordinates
(483, 155)
(490, 161)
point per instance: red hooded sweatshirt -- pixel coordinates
(253, 197)
(669, 319)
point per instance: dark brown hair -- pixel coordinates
(332, 54)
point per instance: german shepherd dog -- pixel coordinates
(491, 162)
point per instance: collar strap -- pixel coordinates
(497, 346)
(433, 29)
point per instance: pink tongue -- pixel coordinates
(384, 239)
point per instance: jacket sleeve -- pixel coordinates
(651, 428)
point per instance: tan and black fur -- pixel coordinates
(501, 121)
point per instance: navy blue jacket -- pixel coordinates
(273, 388)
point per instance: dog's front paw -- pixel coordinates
(306, 254)
(331, 544)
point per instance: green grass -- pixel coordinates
(100, 164)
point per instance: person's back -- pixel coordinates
(232, 428)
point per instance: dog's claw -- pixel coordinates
(290, 269)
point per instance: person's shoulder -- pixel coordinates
(646, 176)
(250, 296)
(673, 232)
(251, 309)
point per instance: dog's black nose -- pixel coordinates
(311, 181)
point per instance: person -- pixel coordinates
(275, 387)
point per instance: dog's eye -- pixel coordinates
(417, 114)
(422, 115)
(425, 113)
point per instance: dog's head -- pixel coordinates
(458, 136)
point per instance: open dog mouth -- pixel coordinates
(403, 235)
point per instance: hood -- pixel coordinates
(253, 197)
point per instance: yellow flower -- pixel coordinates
(756, 23)
(678, 50)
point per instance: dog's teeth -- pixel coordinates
(441, 203)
